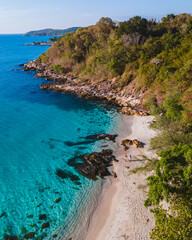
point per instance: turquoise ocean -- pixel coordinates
(39, 132)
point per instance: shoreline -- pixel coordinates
(105, 221)
(121, 213)
(127, 100)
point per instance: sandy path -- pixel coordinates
(121, 214)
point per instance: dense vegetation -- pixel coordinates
(154, 57)
(172, 181)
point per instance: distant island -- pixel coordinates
(51, 32)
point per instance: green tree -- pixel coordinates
(133, 25)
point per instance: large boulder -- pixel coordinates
(125, 143)
(137, 143)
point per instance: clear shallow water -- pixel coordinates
(34, 126)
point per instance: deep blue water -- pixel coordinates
(34, 126)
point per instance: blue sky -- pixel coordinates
(19, 16)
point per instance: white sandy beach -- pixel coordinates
(121, 214)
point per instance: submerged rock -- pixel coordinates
(7, 237)
(74, 178)
(23, 230)
(45, 225)
(34, 225)
(93, 164)
(58, 200)
(29, 235)
(77, 183)
(4, 214)
(67, 174)
(39, 205)
(71, 144)
(42, 217)
(61, 173)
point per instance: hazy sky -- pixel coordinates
(19, 16)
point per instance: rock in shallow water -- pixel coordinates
(45, 225)
(58, 200)
(93, 164)
(29, 235)
(3, 215)
(72, 144)
(102, 136)
(60, 173)
(42, 217)
(67, 174)
(6, 237)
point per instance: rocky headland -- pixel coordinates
(128, 102)
(42, 43)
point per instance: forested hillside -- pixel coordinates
(155, 58)
(150, 55)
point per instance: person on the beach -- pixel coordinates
(129, 158)
(125, 157)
